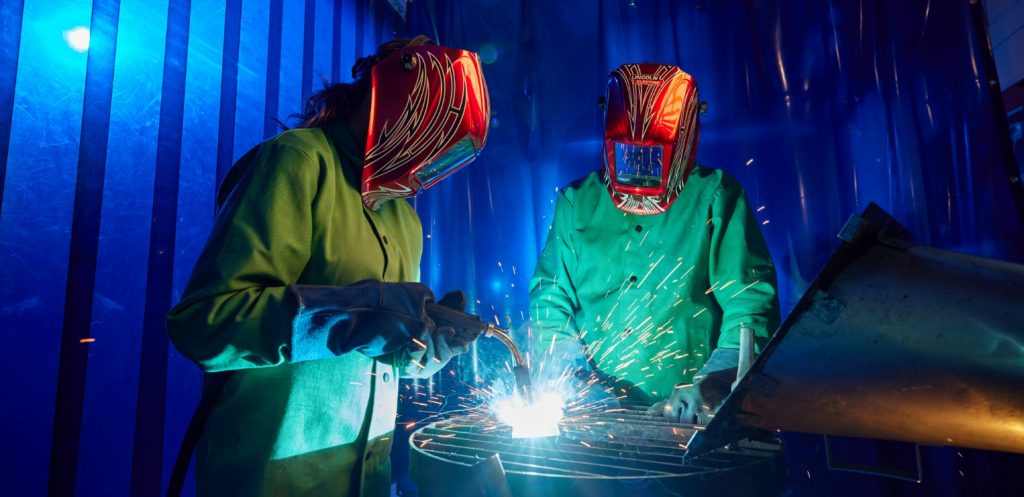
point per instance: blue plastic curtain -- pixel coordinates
(116, 120)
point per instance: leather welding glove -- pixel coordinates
(370, 317)
(438, 344)
(697, 402)
(464, 330)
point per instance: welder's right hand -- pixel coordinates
(465, 328)
(370, 317)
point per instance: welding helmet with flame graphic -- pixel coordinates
(650, 135)
(429, 113)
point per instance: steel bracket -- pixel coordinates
(852, 227)
(826, 307)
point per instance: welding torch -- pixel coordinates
(446, 316)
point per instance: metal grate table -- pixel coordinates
(622, 450)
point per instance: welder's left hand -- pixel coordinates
(427, 354)
(697, 402)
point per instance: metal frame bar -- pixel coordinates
(873, 470)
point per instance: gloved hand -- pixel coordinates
(370, 317)
(697, 402)
(464, 330)
(437, 345)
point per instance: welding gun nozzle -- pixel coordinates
(524, 386)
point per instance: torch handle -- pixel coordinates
(462, 322)
(472, 324)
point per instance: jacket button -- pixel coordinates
(639, 228)
(368, 455)
(386, 377)
(385, 240)
(632, 279)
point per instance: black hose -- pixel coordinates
(214, 385)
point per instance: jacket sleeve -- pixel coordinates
(553, 299)
(237, 311)
(741, 269)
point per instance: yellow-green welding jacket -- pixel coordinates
(292, 420)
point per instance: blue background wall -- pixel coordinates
(110, 160)
(111, 156)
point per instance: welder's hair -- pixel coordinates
(335, 100)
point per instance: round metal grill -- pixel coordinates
(621, 450)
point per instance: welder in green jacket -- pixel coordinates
(655, 264)
(306, 290)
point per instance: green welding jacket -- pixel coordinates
(294, 419)
(650, 297)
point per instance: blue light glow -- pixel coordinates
(77, 38)
(488, 53)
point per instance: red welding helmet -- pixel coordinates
(429, 113)
(651, 118)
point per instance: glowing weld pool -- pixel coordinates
(537, 419)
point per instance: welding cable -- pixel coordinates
(213, 383)
(212, 388)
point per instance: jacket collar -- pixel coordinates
(351, 157)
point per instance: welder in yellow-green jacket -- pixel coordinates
(655, 264)
(305, 295)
